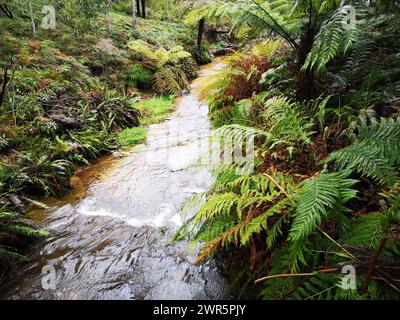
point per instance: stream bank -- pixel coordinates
(111, 235)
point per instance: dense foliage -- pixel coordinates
(323, 106)
(318, 89)
(73, 93)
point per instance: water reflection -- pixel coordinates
(111, 234)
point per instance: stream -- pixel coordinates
(110, 236)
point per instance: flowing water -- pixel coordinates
(111, 235)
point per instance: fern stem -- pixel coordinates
(278, 185)
(288, 275)
(371, 267)
(337, 244)
(384, 276)
(285, 35)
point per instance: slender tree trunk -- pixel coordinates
(108, 16)
(32, 18)
(4, 85)
(133, 14)
(144, 9)
(138, 13)
(167, 9)
(200, 34)
(22, 7)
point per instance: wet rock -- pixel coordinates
(18, 203)
(223, 52)
(106, 45)
(66, 119)
(75, 182)
(226, 49)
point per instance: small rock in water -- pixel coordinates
(119, 155)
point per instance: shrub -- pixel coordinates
(140, 78)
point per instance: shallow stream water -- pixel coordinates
(111, 234)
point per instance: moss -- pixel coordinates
(153, 110)
(132, 136)
(202, 57)
(28, 231)
(140, 78)
(156, 109)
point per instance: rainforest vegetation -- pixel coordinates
(316, 82)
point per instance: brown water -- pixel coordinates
(111, 235)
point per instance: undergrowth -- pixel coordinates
(324, 194)
(71, 95)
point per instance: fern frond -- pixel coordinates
(367, 231)
(331, 40)
(259, 223)
(220, 204)
(319, 195)
(142, 47)
(374, 152)
(384, 135)
(161, 55)
(355, 63)
(174, 55)
(365, 160)
(284, 121)
(170, 80)
(267, 48)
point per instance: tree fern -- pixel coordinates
(171, 80)
(161, 55)
(330, 41)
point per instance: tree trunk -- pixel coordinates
(138, 11)
(32, 18)
(305, 78)
(22, 7)
(200, 34)
(133, 14)
(144, 9)
(305, 81)
(108, 16)
(4, 85)
(167, 8)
